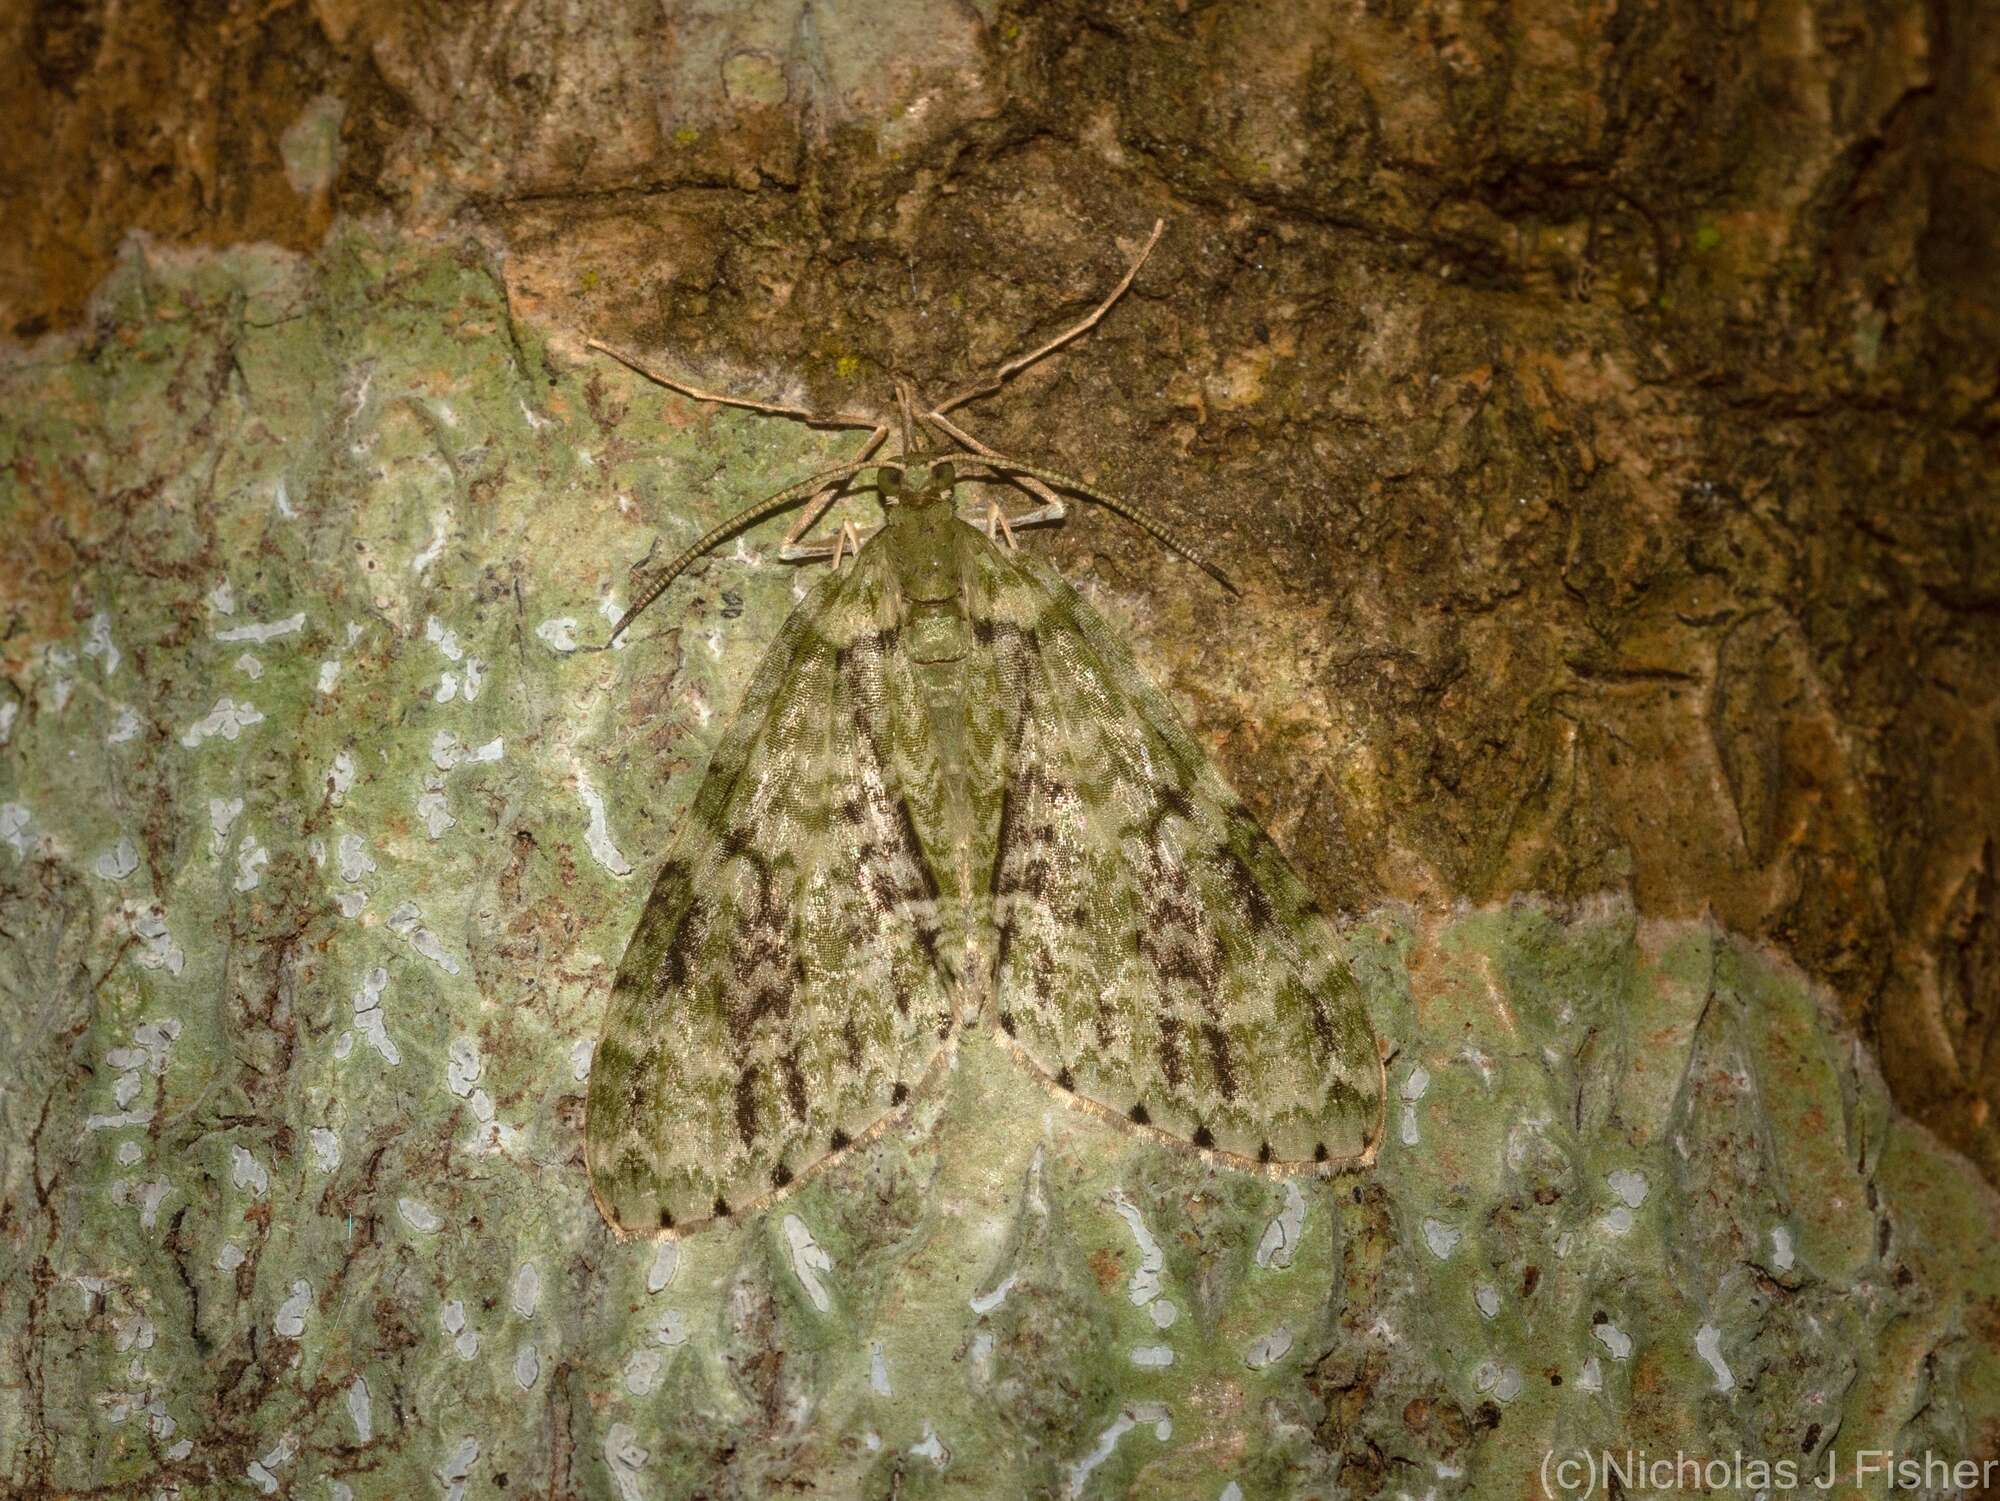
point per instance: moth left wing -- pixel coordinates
(1155, 955)
(782, 995)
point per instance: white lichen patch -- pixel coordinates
(14, 821)
(157, 949)
(340, 782)
(251, 859)
(456, 1471)
(666, 1261)
(325, 1148)
(261, 632)
(1130, 1417)
(1442, 1239)
(351, 857)
(809, 1262)
(98, 645)
(443, 638)
(1268, 1349)
(1629, 1185)
(1281, 1235)
(1614, 1339)
(878, 1371)
(291, 1320)
(527, 1367)
(558, 634)
(249, 665)
(597, 837)
(434, 549)
(1144, 1284)
(369, 1019)
(418, 1215)
(1782, 1256)
(625, 1459)
(463, 1067)
(227, 720)
(118, 862)
(1591, 1377)
(1152, 1357)
(1708, 1345)
(580, 1054)
(1487, 1297)
(408, 923)
(1502, 1381)
(642, 1372)
(222, 815)
(672, 1329)
(361, 1409)
(229, 1256)
(245, 1171)
(432, 808)
(932, 1448)
(1414, 1087)
(329, 675)
(464, 1338)
(448, 751)
(985, 1303)
(527, 1294)
(124, 727)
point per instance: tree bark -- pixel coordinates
(1597, 408)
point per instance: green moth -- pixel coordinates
(950, 799)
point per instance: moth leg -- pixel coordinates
(845, 537)
(794, 549)
(997, 517)
(1051, 508)
(1013, 367)
(847, 541)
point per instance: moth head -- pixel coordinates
(922, 483)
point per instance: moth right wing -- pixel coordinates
(1156, 955)
(780, 998)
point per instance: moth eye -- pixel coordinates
(1007, 1022)
(841, 1140)
(1264, 1152)
(900, 1093)
(1203, 1137)
(889, 484)
(666, 1219)
(780, 1176)
(944, 476)
(1137, 1115)
(1066, 1079)
(722, 1210)
(1319, 1152)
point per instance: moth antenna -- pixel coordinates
(770, 505)
(1019, 363)
(1158, 531)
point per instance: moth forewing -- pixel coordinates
(951, 798)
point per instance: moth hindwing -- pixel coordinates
(950, 798)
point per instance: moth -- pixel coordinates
(950, 799)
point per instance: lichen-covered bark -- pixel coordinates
(323, 829)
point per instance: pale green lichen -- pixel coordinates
(291, 1124)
